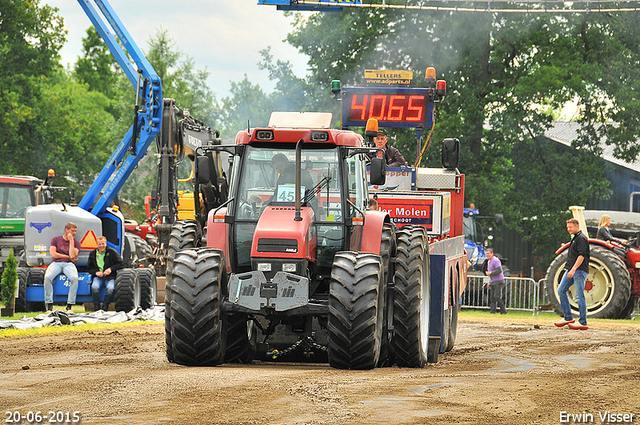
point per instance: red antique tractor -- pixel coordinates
(612, 289)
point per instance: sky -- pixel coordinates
(223, 36)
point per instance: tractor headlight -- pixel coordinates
(264, 267)
(289, 267)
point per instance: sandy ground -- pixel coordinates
(506, 371)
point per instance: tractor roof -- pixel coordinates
(290, 127)
(24, 180)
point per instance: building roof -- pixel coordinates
(567, 131)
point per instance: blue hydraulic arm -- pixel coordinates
(148, 109)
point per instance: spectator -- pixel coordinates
(577, 269)
(104, 263)
(64, 252)
(496, 283)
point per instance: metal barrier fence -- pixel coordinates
(520, 293)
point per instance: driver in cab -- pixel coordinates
(287, 172)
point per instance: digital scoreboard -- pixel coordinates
(391, 106)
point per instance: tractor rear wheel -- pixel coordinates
(355, 310)
(196, 328)
(185, 234)
(148, 287)
(412, 297)
(126, 296)
(241, 335)
(626, 312)
(607, 287)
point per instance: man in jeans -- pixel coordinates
(496, 282)
(577, 269)
(64, 252)
(104, 263)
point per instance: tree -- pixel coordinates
(97, 67)
(31, 36)
(8, 281)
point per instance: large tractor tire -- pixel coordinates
(388, 255)
(21, 301)
(148, 287)
(126, 295)
(241, 335)
(451, 330)
(412, 297)
(607, 287)
(356, 306)
(626, 312)
(185, 234)
(196, 328)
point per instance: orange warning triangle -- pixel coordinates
(89, 240)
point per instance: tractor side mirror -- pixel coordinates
(378, 171)
(202, 169)
(450, 153)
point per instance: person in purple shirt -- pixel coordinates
(64, 252)
(496, 283)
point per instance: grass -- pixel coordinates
(543, 316)
(50, 330)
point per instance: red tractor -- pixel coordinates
(612, 289)
(295, 260)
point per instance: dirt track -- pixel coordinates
(507, 371)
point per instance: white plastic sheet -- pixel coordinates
(59, 318)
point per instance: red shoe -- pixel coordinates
(578, 326)
(563, 322)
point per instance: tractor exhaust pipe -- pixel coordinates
(298, 216)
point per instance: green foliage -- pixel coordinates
(8, 281)
(97, 67)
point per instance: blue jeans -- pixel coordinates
(54, 269)
(110, 283)
(577, 281)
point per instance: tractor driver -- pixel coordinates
(392, 156)
(287, 172)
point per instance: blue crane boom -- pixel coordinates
(148, 111)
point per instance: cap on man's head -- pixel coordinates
(382, 131)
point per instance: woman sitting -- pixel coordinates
(604, 233)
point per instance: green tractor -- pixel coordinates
(17, 193)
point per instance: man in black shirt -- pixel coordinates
(577, 269)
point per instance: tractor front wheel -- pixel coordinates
(607, 287)
(185, 234)
(195, 329)
(355, 310)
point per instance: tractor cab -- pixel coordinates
(299, 194)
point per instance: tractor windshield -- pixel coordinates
(14, 201)
(268, 177)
